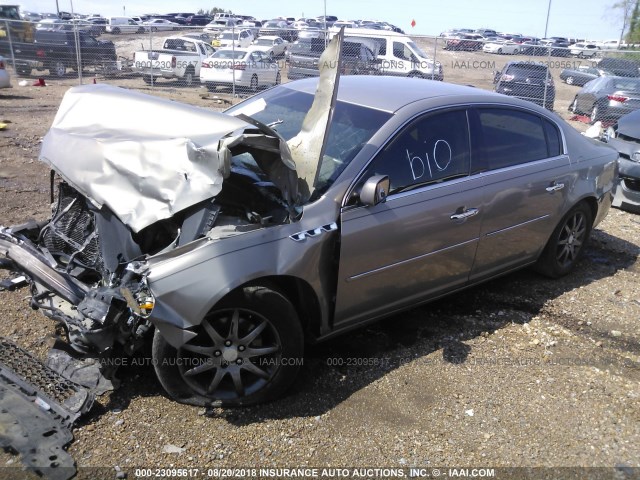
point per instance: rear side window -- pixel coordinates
(512, 137)
(554, 142)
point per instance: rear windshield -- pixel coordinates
(627, 85)
(536, 71)
(232, 54)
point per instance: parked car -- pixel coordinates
(557, 46)
(197, 20)
(160, 25)
(584, 50)
(270, 45)
(607, 98)
(5, 78)
(279, 28)
(398, 54)
(55, 50)
(118, 25)
(236, 38)
(580, 76)
(468, 42)
(619, 67)
(357, 57)
(247, 69)
(180, 58)
(624, 136)
(226, 257)
(506, 47)
(528, 81)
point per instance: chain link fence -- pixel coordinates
(583, 83)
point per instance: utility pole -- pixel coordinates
(57, 9)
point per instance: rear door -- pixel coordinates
(527, 180)
(422, 241)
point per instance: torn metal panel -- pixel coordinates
(308, 146)
(144, 157)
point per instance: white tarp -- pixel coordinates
(144, 157)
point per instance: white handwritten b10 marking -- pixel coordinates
(442, 155)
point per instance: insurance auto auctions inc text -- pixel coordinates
(323, 473)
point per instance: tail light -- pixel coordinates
(174, 62)
(1, 65)
(506, 78)
(206, 65)
(40, 53)
(239, 66)
(617, 98)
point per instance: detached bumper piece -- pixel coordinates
(38, 407)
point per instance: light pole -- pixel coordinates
(546, 26)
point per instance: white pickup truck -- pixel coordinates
(180, 58)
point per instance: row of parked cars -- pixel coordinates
(518, 44)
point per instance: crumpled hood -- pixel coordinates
(144, 157)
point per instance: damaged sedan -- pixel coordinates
(229, 240)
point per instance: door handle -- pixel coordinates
(555, 187)
(469, 212)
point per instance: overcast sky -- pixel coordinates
(591, 19)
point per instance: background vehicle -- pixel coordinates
(469, 42)
(624, 136)
(160, 25)
(279, 28)
(619, 67)
(583, 50)
(197, 20)
(607, 98)
(117, 25)
(239, 38)
(580, 75)
(506, 47)
(5, 78)
(357, 57)
(528, 81)
(180, 58)
(270, 45)
(398, 54)
(247, 69)
(55, 50)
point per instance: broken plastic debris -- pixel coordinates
(23, 83)
(39, 83)
(42, 404)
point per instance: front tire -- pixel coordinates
(567, 243)
(247, 350)
(278, 79)
(569, 80)
(254, 84)
(188, 77)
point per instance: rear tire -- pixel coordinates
(567, 243)
(188, 77)
(115, 31)
(254, 84)
(59, 69)
(574, 106)
(278, 79)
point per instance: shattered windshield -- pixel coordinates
(351, 128)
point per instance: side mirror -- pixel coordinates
(375, 190)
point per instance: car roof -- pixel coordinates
(398, 91)
(268, 37)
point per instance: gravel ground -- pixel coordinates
(518, 372)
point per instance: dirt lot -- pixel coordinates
(521, 371)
